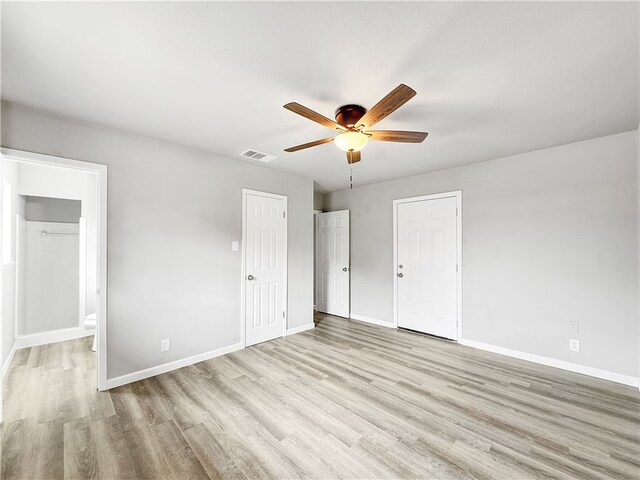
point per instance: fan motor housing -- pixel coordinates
(348, 115)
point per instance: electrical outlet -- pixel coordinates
(164, 345)
(575, 326)
(574, 345)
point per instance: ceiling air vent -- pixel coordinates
(259, 156)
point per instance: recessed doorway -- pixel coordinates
(59, 255)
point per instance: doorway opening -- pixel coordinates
(55, 273)
(55, 289)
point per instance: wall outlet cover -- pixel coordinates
(234, 246)
(575, 326)
(574, 345)
(164, 345)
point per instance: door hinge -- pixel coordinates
(284, 214)
(282, 314)
(456, 211)
(456, 268)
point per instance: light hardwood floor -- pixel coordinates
(345, 400)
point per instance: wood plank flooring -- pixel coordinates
(345, 400)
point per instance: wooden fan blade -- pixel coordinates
(314, 116)
(397, 136)
(353, 157)
(308, 145)
(394, 100)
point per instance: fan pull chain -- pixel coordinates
(351, 178)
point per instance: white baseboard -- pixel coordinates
(167, 367)
(301, 329)
(552, 362)
(7, 363)
(371, 320)
(35, 339)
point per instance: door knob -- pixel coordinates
(251, 277)
(345, 269)
(400, 275)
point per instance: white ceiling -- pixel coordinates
(493, 79)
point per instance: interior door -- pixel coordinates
(427, 263)
(265, 265)
(332, 249)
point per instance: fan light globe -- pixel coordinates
(351, 141)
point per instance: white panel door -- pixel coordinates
(332, 250)
(265, 260)
(426, 269)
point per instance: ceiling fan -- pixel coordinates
(354, 121)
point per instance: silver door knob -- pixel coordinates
(251, 277)
(344, 269)
(400, 275)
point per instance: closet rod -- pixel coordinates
(48, 234)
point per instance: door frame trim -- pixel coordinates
(102, 285)
(243, 269)
(314, 264)
(457, 194)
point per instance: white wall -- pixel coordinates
(172, 214)
(52, 280)
(318, 201)
(548, 237)
(45, 181)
